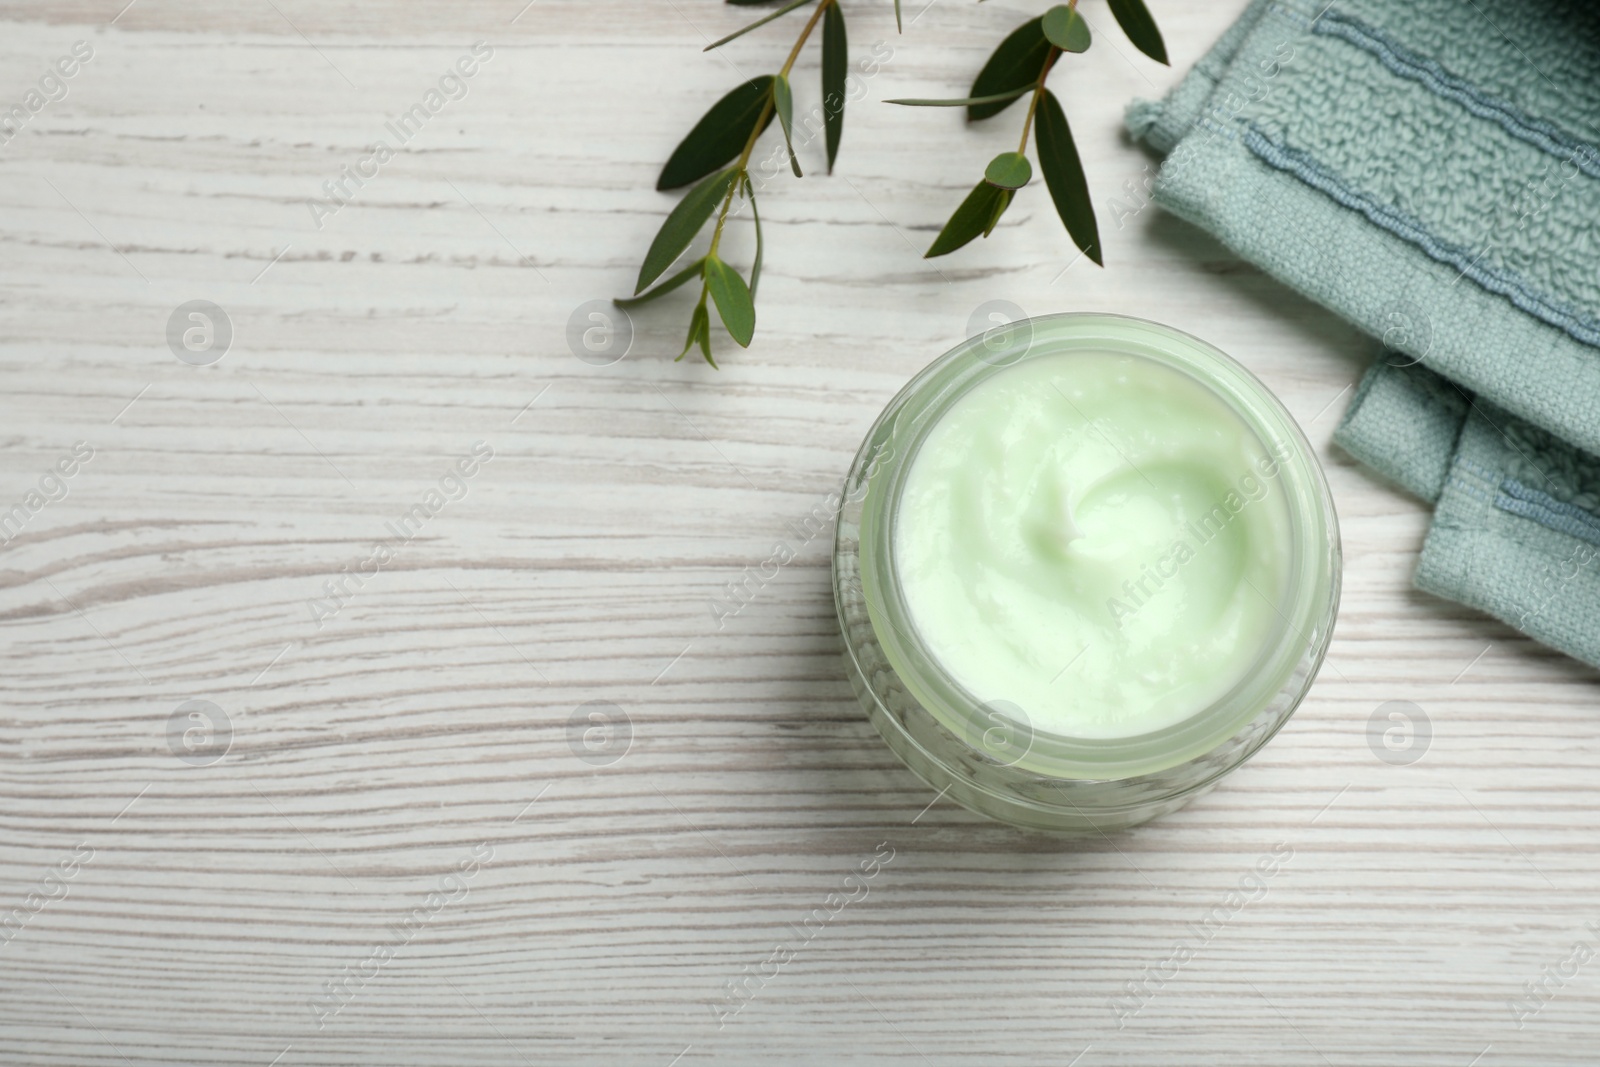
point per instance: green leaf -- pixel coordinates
(699, 331)
(969, 221)
(1063, 173)
(755, 266)
(734, 303)
(966, 101)
(1016, 64)
(664, 288)
(897, 27)
(1009, 170)
(1065, 28)
(1000, 206)
(681, 226)
(1137, 23)
(783, 100)
(762, 21)
(835, 71)
(705, 335)
(720, 135)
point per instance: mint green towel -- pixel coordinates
(1428, 169)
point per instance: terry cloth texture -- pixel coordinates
(1430, 170)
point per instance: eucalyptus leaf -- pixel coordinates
(664, 288)
(970, 220)
(1137, 22)
(681, 226)
(1015, 65)
(1063, 174)
(699, 332)
(783, 100)
(762, 21)
(755, 216)
(1065, 28)
(734, 303)
(1000, 206)
(705, 337)
(1009, 170)
(720, 135)
(966, 101)
(835, 72)
(897, 27)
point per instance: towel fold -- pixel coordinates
(1428, 170)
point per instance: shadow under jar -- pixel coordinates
(1085, 566)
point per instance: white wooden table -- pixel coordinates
(393, 799)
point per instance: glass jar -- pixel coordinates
(977, 753)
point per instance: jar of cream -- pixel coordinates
(1085, 566)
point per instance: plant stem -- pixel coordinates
(761, 122)
(794, 53)
(1033, 103)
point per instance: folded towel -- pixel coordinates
(1428, 170)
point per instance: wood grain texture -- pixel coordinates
(424, 728)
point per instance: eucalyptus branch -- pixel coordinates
(1019, 66)
(729, 132)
